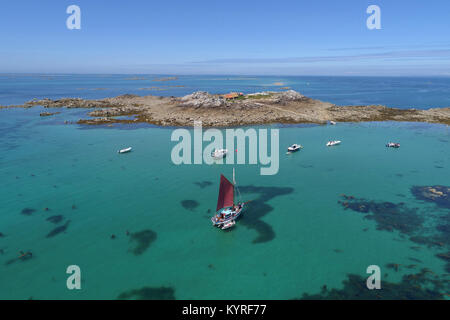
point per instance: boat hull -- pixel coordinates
(220, 222)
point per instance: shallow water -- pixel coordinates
(294, 238)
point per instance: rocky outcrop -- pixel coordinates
(216, 111)
(202, 99)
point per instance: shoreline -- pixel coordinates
(269, 107)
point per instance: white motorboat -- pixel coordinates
(295, 147)
(332, 123)
(333, 143)
(219, 153)
(393, 145)
(125, 150)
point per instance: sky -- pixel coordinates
(277, 37)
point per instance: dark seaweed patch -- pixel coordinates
(440, 195)
(258, 208)
(143, 240)
(420, 286)
(148, 293)
(55, 219)
(24, 256)
(388, 216)
(203, 184)
(28, 211)
(189, 204)
(58, 230)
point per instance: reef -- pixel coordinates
(259, 208)
(420, 286)
(55, 219)
(149, 293)
(142, 240)
(388, 216)
(58, 230)
(440, 195)
(189, 204)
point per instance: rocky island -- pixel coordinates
(215, 110)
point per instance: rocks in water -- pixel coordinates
(289, 95)
(202, 99)
(1, 235)
(419, 286)
(261, 207)
(189, 204)
(28, 211)
(388, 216)
(143, 240)
(55, 219)
(149, 293)
(24, 256)
(113, 236)
(58, 230)
(47, 114)
(440, 195)
(394, 266)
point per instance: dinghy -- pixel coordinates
(227, 211)
(294, 148)
(228, 225)
(393, 145)
(125, 150)
(333, 143)
(219, 153)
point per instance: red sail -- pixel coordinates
(226, 193)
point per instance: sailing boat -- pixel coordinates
(227, 211)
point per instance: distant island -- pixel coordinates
(233, 109)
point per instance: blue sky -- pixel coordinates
(320, 37)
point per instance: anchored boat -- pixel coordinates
(393, 145)
(227, 211)
(333, 143)
(219, 153)
(125, 150)
(295, 147)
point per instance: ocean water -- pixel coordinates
(294, 238)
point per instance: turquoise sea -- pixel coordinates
(310, 231)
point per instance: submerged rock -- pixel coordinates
(143, 240)
(440, 195)
(149, 293)
(58, 230)
(189, 204)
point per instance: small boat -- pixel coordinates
(219, 153)
(125, 150)
(227, 211)
(294, 148)
(332, 123)
(393, 145)
(228, 225)
(333, 143)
